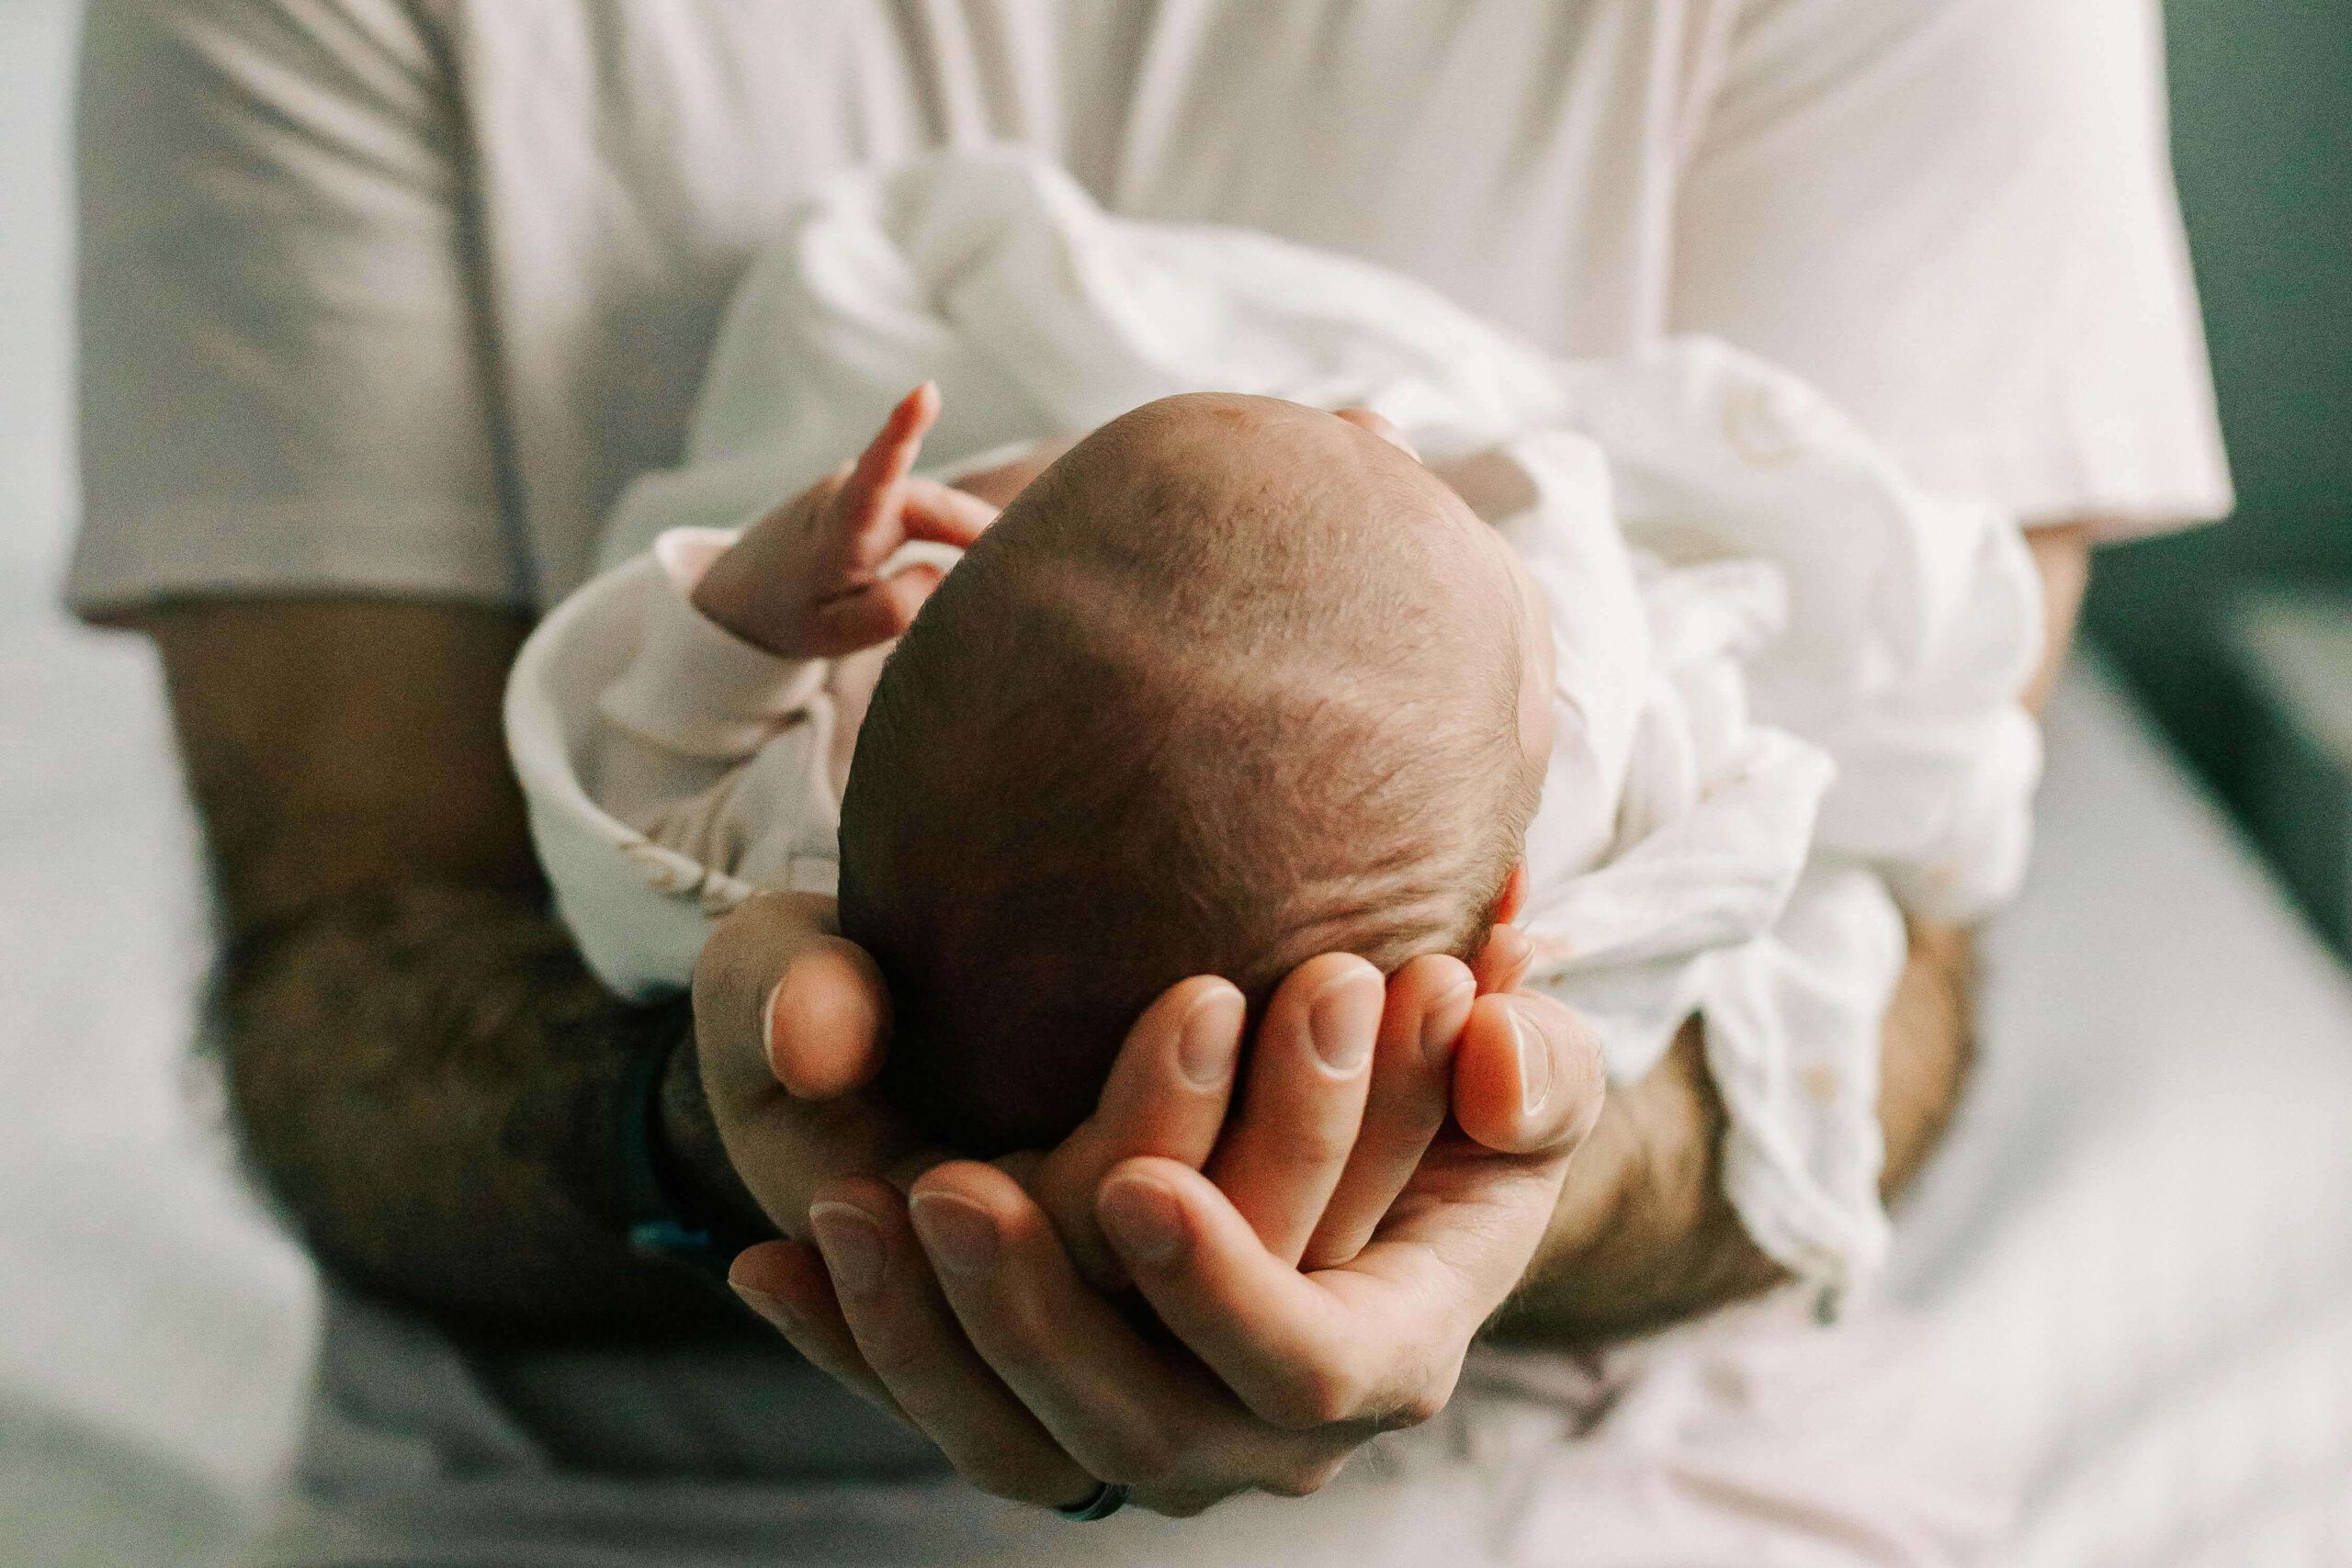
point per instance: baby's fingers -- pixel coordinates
(874, 614)
(929, 510)
(890, 456)
(865, 508)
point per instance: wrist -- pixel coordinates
(690, 1157)
(696, 685)
(1644, 1234)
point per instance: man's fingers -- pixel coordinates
(1167, 1095)
(905, 1334)
(1503, 962)
(826, 1024)
(786, 1283)
(1527, 1076)
(1109, 1400)
(1412, 1082)
(1309, 1074)
(781, 999)
(1295, 1352)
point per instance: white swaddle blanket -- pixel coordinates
(1787, 677)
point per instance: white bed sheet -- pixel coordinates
(2139, 1240)
(2140, 1235)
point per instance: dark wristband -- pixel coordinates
(667, 1221)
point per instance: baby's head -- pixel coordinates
(1234, 683)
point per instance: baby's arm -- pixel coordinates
(717, 739)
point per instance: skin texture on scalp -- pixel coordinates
(1232, 685)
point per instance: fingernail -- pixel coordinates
(960, 1237)
(1534, 1060)
(851, 1244)
(1442, 1025)
(1210, 1039)
(767, 1029)
(1342, 1019)
(777, 1311)
(1143, 1220)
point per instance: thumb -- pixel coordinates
(1527, 1076)
(782, 998)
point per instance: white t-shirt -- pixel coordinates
(396, 295)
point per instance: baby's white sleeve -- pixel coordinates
(715, 748)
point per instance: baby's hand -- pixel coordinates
(803, 581)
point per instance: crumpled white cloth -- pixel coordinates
(1787, 676)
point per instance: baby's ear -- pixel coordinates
(1514, 898)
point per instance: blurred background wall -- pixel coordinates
(2239, 638)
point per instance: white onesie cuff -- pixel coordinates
(694, 688)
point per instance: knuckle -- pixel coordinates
(1195, 1447)
(1020, 1342)
(1418, 1408)
(1315, 1396)
(1138, 1459)
(1426, 1395)
(899, 1365)
(1314, 1147)
(1190, 1499)
(1303, 1479)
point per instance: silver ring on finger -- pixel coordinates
(1107, 1498)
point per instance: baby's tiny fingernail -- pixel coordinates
(1144, 1220)
(1210, 1038)
(851, 1244)
(960, 1237)
(1344, 1018)
(1534, 1059)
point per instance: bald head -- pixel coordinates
(1234, 683)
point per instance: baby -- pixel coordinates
(1674, 668)
(1235, 682)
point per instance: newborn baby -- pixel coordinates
(1234, 683)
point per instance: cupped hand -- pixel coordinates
(790, 1022)
(1323, 1262)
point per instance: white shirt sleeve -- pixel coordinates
(1956, 218)
(715, 748)
(283, 382)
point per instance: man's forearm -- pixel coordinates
(425, 1072)
(1645, 1234)
(430, 1083)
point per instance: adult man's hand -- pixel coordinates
(790, 1022)
(959, 1306)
